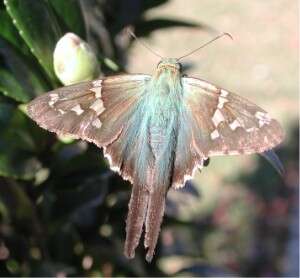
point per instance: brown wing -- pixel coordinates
(104, 112)
(227, 123)
(94, 111)
(217, 122)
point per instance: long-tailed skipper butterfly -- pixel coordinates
(155, 132)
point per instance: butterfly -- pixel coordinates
(156, 131)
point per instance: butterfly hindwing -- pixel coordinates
(225, 123)
(188, 157)
(120, 97)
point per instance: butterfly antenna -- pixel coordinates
(207, 43)
(142, 43)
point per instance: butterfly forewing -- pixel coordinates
(94, 111)
(225, 123)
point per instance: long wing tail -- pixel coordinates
(154, 217)
(146, 208)
(136, 218)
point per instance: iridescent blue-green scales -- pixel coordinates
(155, 132)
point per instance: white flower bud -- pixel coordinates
(74, 60)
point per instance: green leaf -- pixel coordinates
(17, 145)
(38, 27)
(18, 78)
(111, 64)
(10, 87)
(144, 28)
(17, 201)
(70, 15)
(9, 32)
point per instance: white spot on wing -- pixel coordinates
(111, 166)
(234, 125)
(263, 118)
(214, 135)
(224, 93)
(115, 169)
(209, 87)
(97, 83)
(266, 140)
(53, 99)
(97, 106)
(77, 109)
(221, 102)
(217, 118)
(251, 129)
(54, 96)
(97, 91)
(96, 123)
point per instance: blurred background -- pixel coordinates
(62, 212)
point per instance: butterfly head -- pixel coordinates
(169, 64)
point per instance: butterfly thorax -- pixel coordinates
(168, 66)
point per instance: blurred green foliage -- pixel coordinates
(62, 212)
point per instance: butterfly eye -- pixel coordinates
(206, 162)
